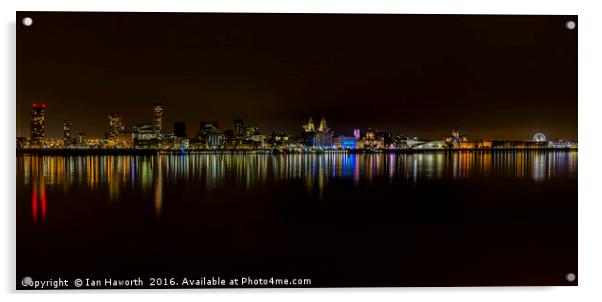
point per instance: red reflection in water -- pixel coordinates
(34, 203)
(38, 189)
(43, 201)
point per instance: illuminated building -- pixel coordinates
(258, 140)
(401, 141)
(252, 138)
(38, 124)
(94, 143)
(250, 132)
(344, 142)
(432, 145)
(182, 143)
(309, 127)
(115, 125)
(323, 126)
(123, 140)
(22, 142)
(239, 129)
(356, 134)
(308, 136)
(322, 137)
(209, 136)
(484, 144)
(371, 144)
(386, 137)
(81, 140)
(508, 144)
(233, 139)
(230, 140)
(150, 136)
(279, 140)
(478, 144)
(455, 139)
(67, 133)
(179, 140)
(158, 120)
(145, 137)
(562, 144)
(215, 138)
(408, 142)
(117, 137)
(371, 141)
(54, 143)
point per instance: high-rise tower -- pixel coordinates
(115, 125)
(158, 120)
(67, 132)
(239, 129)
(38, 124)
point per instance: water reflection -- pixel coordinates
(149, 174)
(158, 184)
(38, 200)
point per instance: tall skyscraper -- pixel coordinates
(115, 125)
(67, 132)
(38, 124)
(158, 120)
(239, 129)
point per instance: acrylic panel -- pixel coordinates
(217, 150)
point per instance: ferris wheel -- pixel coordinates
(539, 137)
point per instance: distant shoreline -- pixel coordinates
(75, 152)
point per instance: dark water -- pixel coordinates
(462, 218)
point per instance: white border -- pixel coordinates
(590, 81)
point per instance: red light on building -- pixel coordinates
(43, 105)
(34, 105)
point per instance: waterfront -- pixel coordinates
(443, 218)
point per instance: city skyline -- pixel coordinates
(316, 136)
(115, 125)
(498, 77)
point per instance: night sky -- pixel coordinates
(501, 77)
